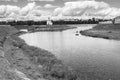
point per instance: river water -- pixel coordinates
(92, 58)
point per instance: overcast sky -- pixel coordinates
(36, 9)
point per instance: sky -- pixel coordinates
(42, 9)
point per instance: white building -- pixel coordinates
(117, 19)
(49, 22)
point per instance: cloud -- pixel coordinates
(27, 9)
(10, 0)
(50, 6)
(2, 10)
(82, 9)
(90, 8)
(77, 0)
(6, 10)
(29, 12)
(40, 0)
(109, 11)
(33, 12)
(28, 0)
(76, 8)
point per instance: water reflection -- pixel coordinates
(93, 58)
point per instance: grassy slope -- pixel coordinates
(21, 61)
(107, 31)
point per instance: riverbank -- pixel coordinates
(106, 31)
(20, 61)
(37, 28)
(52, 28)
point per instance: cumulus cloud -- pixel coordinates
(33, 12)
(8, 9)
(27, 9)
(27, 0)
(29, 12)
(10, 0)
(2, 10)
(50, 6)
(40, 0)
(87, 7)
(81, 8)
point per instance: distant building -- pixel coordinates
(117, 19)
(49, 22)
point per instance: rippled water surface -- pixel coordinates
(92, 58)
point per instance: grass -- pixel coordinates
(52, 67)
(106, 31)
(34, 62)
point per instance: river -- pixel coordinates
(92, 58)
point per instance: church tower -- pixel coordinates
(49, 22)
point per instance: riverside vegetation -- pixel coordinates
(106, 31)
(37, 28)
(19, 61)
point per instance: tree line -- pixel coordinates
(59, 22)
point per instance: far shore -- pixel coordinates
(106, 31)
(38, 28)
